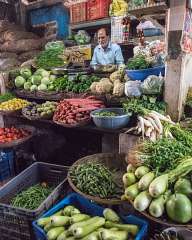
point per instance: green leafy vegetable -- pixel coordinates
(138, 62)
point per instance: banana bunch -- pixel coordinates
(118, 8)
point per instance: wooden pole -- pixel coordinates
(175, 85)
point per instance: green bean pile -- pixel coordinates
(94, 179)
(32, 197)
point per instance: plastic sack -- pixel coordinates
(133, 88)
(152, 85)
(82, 37)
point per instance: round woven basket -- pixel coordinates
(80, 124)
(164, 221)
(15, 143)
(13, 112)
(112, 162)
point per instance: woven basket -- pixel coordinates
(111, 161)
(13, 112)
(164, 221)
(80, 124)
(15, 143)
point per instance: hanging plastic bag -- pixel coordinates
(133, 88)
(152, 85)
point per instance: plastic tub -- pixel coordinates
(143, 74)
(115, 122)
(88, 207)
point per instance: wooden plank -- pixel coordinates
(126, 143)
(90, 24)
(148, 9)
(175, 86)
(40, 3)
(3, 80)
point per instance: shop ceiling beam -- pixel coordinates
(175, 84)
(90, 24)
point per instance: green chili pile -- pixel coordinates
(32, 197)
(94, 179)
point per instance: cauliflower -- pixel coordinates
(119, 88)
(115, 76)
(93, 87)
(104, 86)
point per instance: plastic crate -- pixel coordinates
(97, 9)
(78, 12)
(16, 223)
(88, 207)
(6, 165)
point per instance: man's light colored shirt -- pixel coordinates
(111, 55)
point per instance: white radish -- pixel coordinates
(148, 132)
(157, 121)
(153, 137)
(147, 123)
(142, 125)
(163, 118)
(153, 123)
(139, 130)
(170, 135)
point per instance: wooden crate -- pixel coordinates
(78, 12)
(97, 9)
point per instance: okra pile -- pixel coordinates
(94, 179)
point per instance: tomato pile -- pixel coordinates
(10, 134)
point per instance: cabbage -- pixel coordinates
(45, 81)
(51, 87)
(52, 78)
(36, 79)
(42, 87)
(19, 81)
(42, 72)
(26, 73)
(27, 86)
(33, 88)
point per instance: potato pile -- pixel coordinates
(45, 110)
(13, 104)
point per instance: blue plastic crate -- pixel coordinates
(88, 207)
(6, 165)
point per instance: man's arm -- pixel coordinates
(118, 56)
(94, 59)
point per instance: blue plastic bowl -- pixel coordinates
(114, 122)
(143, 74)
(90, 208)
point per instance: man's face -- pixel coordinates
(103, 39)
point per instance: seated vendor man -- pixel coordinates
(106, 52)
